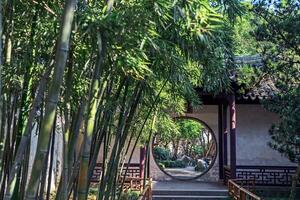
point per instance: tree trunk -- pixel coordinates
(52, 98)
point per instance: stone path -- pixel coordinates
(191, 185)
(185, 173)
(181, 190)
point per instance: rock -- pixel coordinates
(185, 159)
(201, 165)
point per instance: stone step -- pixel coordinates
(179, 197)
(190, 192)
(179, 190)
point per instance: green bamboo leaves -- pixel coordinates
(130, 62)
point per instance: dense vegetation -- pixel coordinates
(278, 36)
(104, 73)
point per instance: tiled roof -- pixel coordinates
(266, 89)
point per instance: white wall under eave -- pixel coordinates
(253, 124)
(252, 137)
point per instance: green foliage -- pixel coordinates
(278, 34)
(161, 153)
(248, 77)
(197, 150)
(129, 195)
(179, 129)
(187, 137)
(151, 56)
(285, 135)
(244, 42)
(189, 129)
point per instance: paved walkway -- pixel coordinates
(187, 185)
(189, 190)
(183, 173)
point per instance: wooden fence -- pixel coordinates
(227, 174)
(132, 181)
(238, 192)
(134, 170)
(146, 194)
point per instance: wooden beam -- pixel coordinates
(232, 136)
(220, 138)
(225, 132)
(142, 160)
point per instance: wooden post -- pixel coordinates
(142, 160)
(220, 138)
(148, 162)
(232, 136)
(225, 133)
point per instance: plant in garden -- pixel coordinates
(278, 35)
(161, 153)
(119, 68)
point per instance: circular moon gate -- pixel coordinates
(187, 152)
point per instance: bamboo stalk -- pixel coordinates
(122, 133)
(50, 167)
(95, 96)
(62, 192)
(27, 135)
(52, 98)
(44, 172)
(142, 128)
(1, 63)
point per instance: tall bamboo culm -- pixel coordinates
(52, 98)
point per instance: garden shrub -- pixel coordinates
(161, 153)
(130, 195)
(197, 150)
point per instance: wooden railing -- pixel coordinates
(133, 171)
(132, 183)
(146, 194)
(227, 174)
(238, 192)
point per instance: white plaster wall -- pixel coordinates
(135, 157)
(57, 157)
(253, 123)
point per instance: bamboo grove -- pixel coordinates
(106, 74)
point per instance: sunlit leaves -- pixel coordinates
(279, 37)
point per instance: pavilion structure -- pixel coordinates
(264, 175)
(241, 126)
